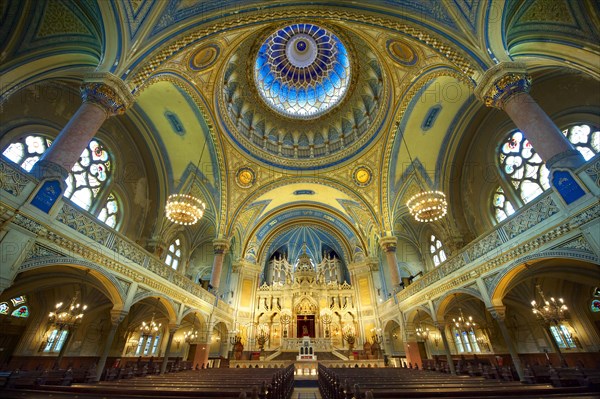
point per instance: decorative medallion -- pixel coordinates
(302, 71)
(401, 52)
(362, 176)
(204, 57)
(245, 177)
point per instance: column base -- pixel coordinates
(49, 170)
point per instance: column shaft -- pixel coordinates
(447, 350)
(506, 86)
(221, 245)
(498, 313)
(388, 244)
(103, 95)
(163, 366)
(75, 136)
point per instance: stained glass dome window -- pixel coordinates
(302, 70)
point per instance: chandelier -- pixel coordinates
(190, 336)
(150, 328)
(421, 332)
(550, 311)
(426, 205)
(66, 317)
(185, 209)
(464, 323)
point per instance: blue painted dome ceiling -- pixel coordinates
(303, 96)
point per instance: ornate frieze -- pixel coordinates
(12, 180)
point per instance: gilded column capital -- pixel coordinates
(497, 312)
(388, 243)
(107, 91)
(220, 245)
(501, 82)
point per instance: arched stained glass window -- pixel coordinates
(27, 151)
(437, 250)
(585, 138)
(87, 177)
(523, 167)
(174, 254)
(502, 206)
(110, 211)
(526, 171)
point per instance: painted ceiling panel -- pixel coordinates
(302, 192)
(179, 128)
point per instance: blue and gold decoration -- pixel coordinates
(302, 71)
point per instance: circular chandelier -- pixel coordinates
(184, 209)
(428, 206)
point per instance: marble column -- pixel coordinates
(103, 95)
(221, 245)
(116, 317)
(499, 314)
(442, 328)
(172, 329)
(506, 86)
(388, 245)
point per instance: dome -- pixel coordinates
(296, 97)
(302, 70)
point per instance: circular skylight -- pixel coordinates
(302, 71)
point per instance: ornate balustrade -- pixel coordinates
(293, 344)
(543, 224)
(90, 241)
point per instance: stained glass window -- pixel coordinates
(302, 70)
(88, 174)
(56, 339)
(458, 341)
(502, 206)
(4, 308)
(585, 138)
(526, 171)
(174, 254)
(18, 300)
(27, 150)
(87, 178)
(595, 306)
(109, 212)
(22, 312)
(437, 250)
(523, 167)
(562, 336)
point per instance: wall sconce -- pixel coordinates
(178, 342)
